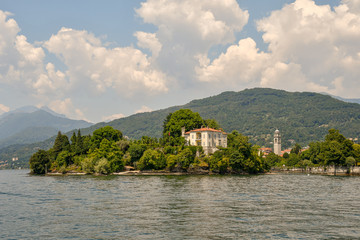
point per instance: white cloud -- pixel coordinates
(353, 5)
(22, 64)
(187, 29)
(113, 117)
(3, 109)
(149, 41)
(275, 76)
(311, 47)
(324, 42)
(89, 63)
(67, 108)
(241, 63)
(143, 109)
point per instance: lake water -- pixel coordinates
(284, 206)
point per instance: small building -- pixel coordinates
(208, 138)
(265, 151)
(288, 151)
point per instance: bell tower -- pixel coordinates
(277, 142)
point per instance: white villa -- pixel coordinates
(208, 138)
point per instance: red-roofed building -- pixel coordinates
(265, 151)
(208, 138)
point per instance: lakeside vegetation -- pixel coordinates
(106, 151)
(335, 150)
(302, 117)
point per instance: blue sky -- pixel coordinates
(99, 60)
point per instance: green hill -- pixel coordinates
(301, 117)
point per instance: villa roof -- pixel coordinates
(206, 129)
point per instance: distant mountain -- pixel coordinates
(30, 124)
(31, 109)
(25, 109)
(301, 117)
(349, 100)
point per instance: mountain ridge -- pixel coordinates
(301, 117)
(31, 125)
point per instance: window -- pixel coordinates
(193, 136)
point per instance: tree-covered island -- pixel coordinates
(107, 151)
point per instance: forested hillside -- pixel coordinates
(300, 117)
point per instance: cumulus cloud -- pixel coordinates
(149, 41)
(241, 63)
(22, 63)
(143, 109)
(113, 117)
(67, 108)
(89, 65)
(187, 29)
(3, 109)
(127, 70)
(324, 42)
(311, 47)
(19, 60)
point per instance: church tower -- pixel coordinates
(277, 142)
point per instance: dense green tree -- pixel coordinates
(77, 143)
(123, 145)
(107, 149)
(61, 143)
(39, 162)
(241, 143)
(350, 162)
(185, 158)
(152, 159)
(73, 140)
(171, 162)
(106, 132)
(296, 149)
(293, 160)
(64, 158)
(356, 153)
(236, 161)
(272, 159)
(136, 151)
(175, 121)
(215, 161)
(313, 153)
(211, 123)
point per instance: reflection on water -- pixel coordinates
(179, 207)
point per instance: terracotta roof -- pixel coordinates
(206, 130)
(265, 149)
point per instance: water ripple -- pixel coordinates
(179, 207)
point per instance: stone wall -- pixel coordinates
(328, 170)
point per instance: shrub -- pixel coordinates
(87, 165)
(102, 166)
